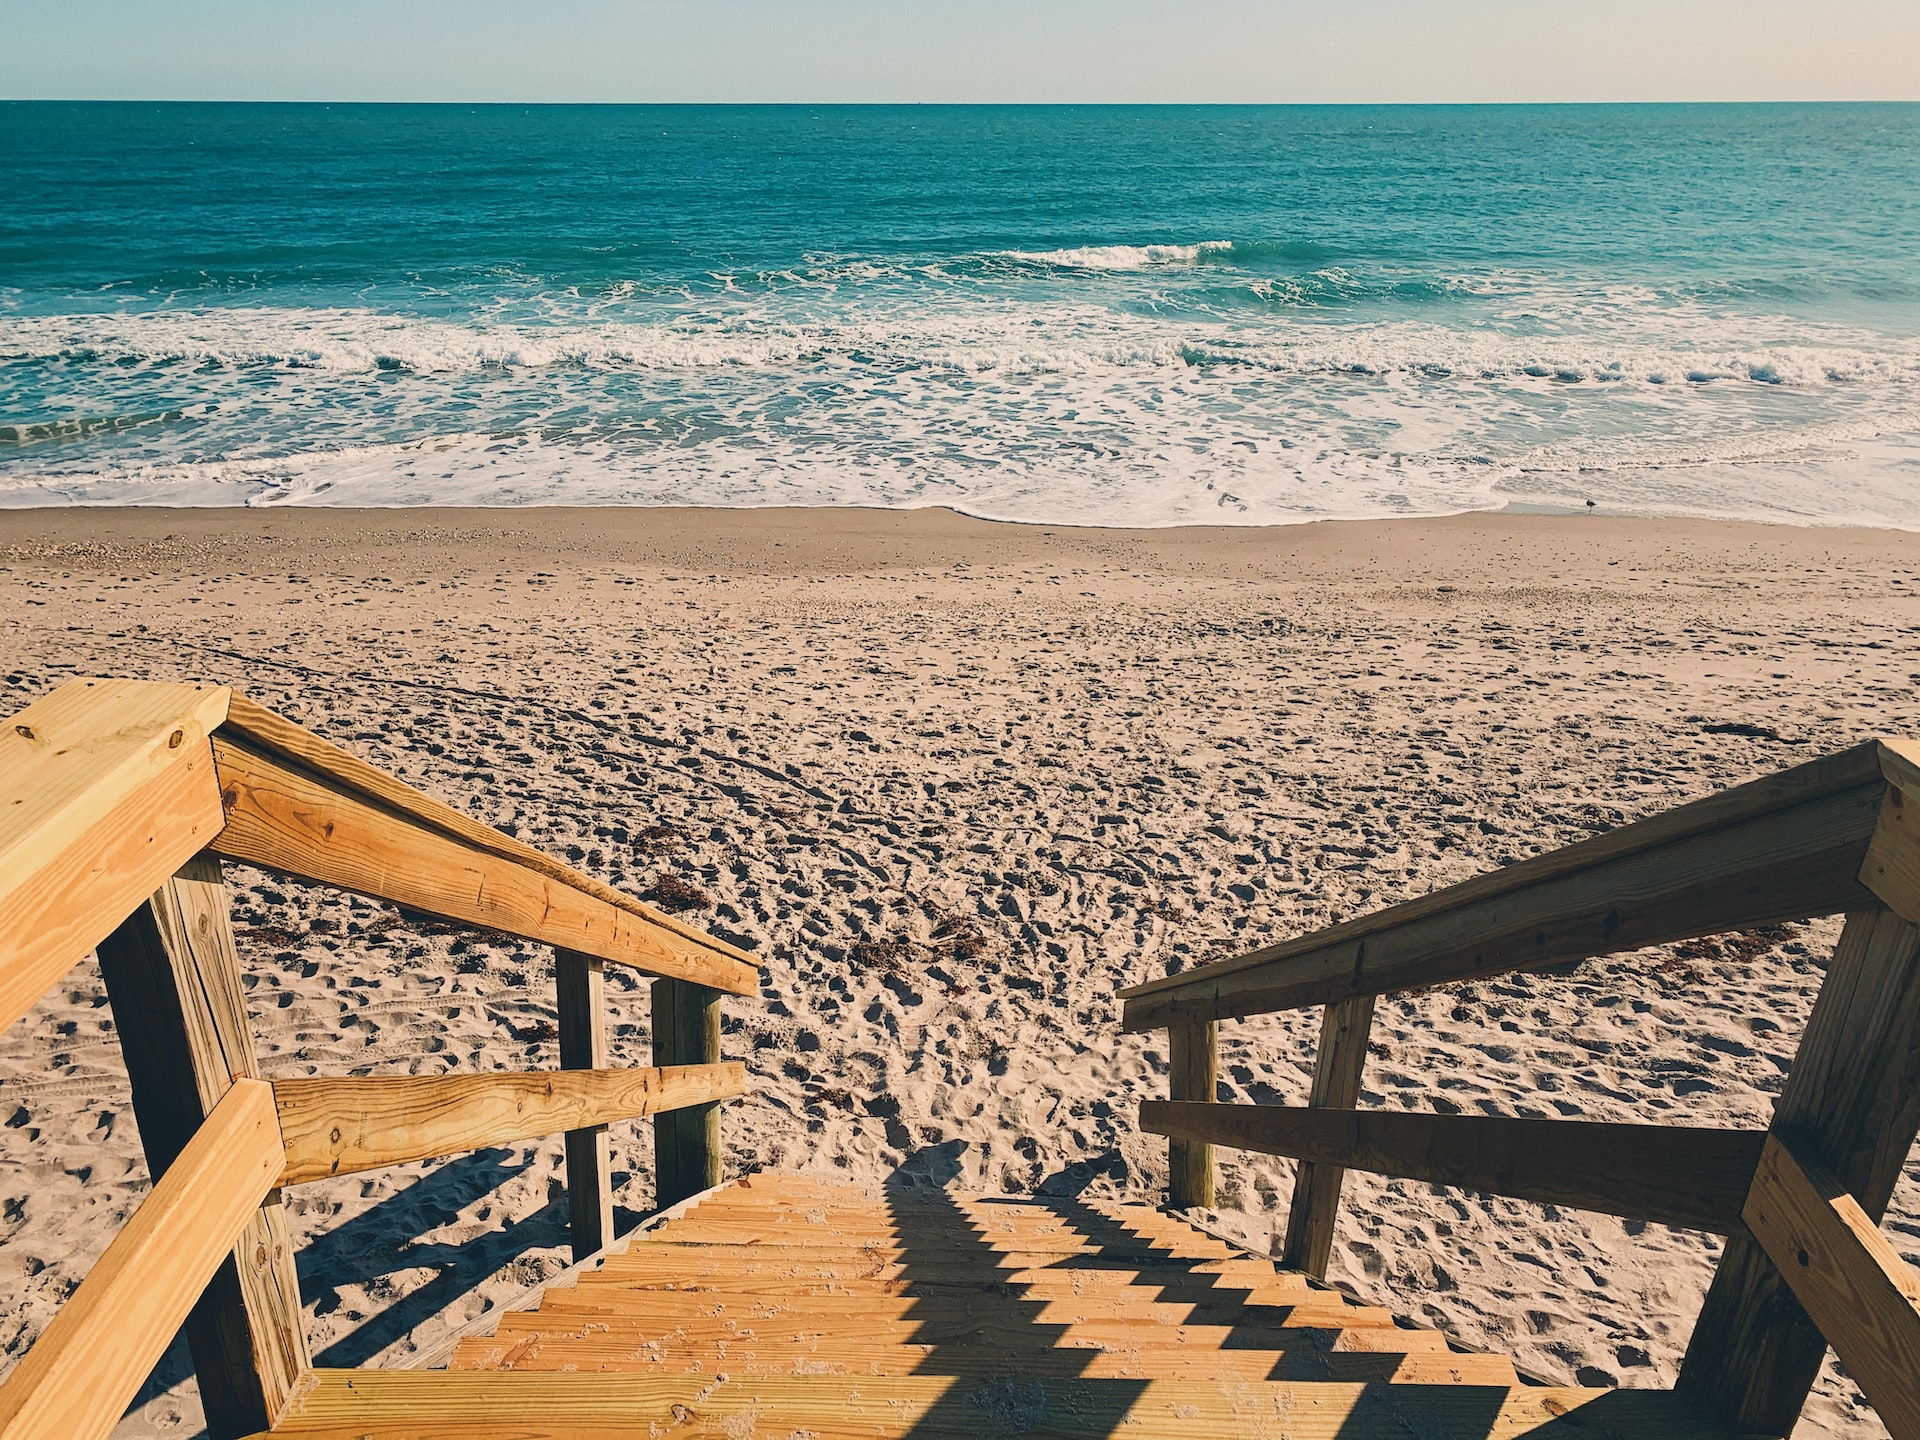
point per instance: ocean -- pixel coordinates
(1132, 316)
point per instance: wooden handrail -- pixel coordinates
(337, 1126)
(686, 953)
(1689, 1177)
(1785, 847)
(111, 785)
(88, 1364)
(1863, 1296)
(108, 789)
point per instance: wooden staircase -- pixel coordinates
(786, 1305)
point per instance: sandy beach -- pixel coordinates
(955, 783)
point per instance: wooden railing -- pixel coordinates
(118, 801)
(1805, 1263)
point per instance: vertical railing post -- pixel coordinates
(173, 979)
(580, 983)
(686, 1143)
(1337, 1071)
(1851, 1101)
(1194, 1074)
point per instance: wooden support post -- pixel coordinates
(1851, 1103)
(173, 979)
(686, 1143)
(1337, 1070)
(582, 986)
(1194, 1066)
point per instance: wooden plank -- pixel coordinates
(1193, 1073)
(89, 1362)
(173, 978)
(1854, 1285)
(296, 821)
(261, 729)
(1686, 1176)
(336, 1126)
(1784, 848)
(1851, 1103)
(106, 788)
(580, 982)
(1338, 1068)
(1063, 1353)
(664, 1309)
(1892, 867)
(686, 1143)
(468, 1405)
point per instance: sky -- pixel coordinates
(1081, 51)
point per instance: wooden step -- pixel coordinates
(1295, 1312)
(999, 1330)
(561, 1309)
(530, 1405)
(708, 1352)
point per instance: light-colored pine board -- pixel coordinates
(1193, 1074)
(179, 1007)
(565, 1313)
(743, 1356)
(1892, 867)
(262, 729)
(286, 818)
(909, 1241)
(1852, 1100)
(1338, 1067)
(505, 1405)
(1690, 1177)
(1783, 848)
(106, 788)
(336, 1126)
(88, 1363)
(857, 1261)
(1855, 1286)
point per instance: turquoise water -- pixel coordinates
(1133, 316)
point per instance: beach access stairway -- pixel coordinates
(785, 1305)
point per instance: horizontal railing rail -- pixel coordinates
(118, 801)
(1784, 848)
(1805, 1263)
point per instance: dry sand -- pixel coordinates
(955, 783)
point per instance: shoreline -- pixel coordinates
(1511, 508)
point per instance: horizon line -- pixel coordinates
(957, 104)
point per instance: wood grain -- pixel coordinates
(1193, 1073)
(1783, 848)
(468, 1405)
(337, 1126)
(1685, 1176)
(293, 820)
(173, 978)
(106, 788)
(1852, 1103)
(1855, 1286)
(1892, 867)
(1338, 1068)
(264, 730)
(89, 1362)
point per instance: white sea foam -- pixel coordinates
(1119, 257)
(1060, 337)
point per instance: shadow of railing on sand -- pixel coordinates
(385, 1238)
